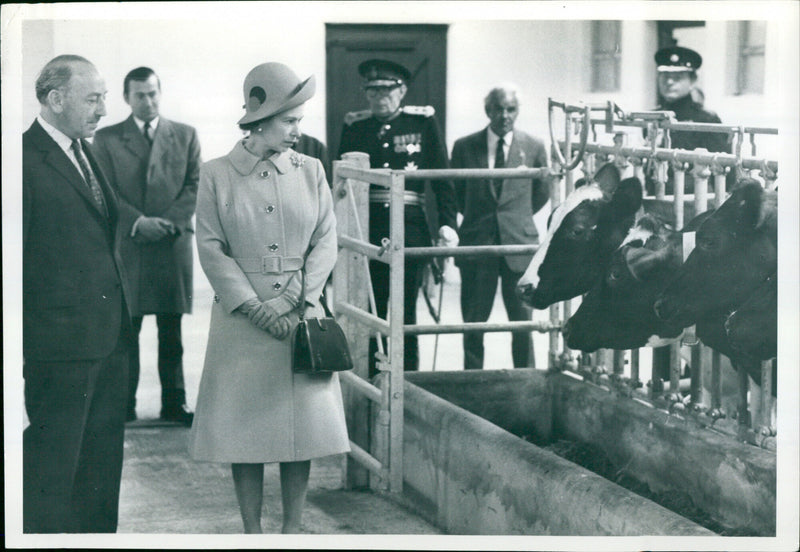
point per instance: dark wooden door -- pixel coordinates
(420, 48)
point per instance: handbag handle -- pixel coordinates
(301, 305)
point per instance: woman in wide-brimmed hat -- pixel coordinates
(263, 213)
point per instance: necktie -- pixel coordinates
(88, 176)
(499, 163)
(147, 133)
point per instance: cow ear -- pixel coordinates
(748, 205)
(608, 178)
(627, 199)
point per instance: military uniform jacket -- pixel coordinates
(410, 141)
(160, 181)
(686, 109)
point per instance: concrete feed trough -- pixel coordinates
(467, 470)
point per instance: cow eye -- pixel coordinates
(614, 274)
(577, 232)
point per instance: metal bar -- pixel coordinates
(719, 190)
(635, 353)
(461, 251)
(674, 367)
(367, 249)
(716, 380)
(666, 154)
(428, 329)
(696, 374)
(555, 315)
(619, 362)
(766, 394)
(381, 177)
(701, 189)
(397, 350)
(361, 385)
(370, 320)
(678, 183)
(366, 460)
(744, 386)
(474, 174)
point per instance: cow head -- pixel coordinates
(582, 234)
(752, 329)
(735, 251)
(617, 313)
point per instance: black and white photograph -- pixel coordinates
(429, 275)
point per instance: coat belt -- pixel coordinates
(384, 196)
(269, 264)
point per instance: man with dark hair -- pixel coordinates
(401, 138)
(155, 165)
(497, 212)
(76, 326)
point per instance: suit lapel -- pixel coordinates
(108, 193)
(482, 155)
(163, 142)
(134, 140)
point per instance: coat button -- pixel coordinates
(386, 144)
(216, 298)
(386, 165)
(273, 247)
(264, 174)
(276, 286)
(270, 208)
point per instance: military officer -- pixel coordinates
(400, 138)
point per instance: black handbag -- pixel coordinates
(319, 344)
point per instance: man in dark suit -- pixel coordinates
(154, 164)
(497, 212)
(76, 327)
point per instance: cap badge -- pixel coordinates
(413, 148)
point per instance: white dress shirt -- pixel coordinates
(153, 126)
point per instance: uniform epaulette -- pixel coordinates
(424, 110)
(354, 116)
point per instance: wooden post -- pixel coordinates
(396, 320)
(350, 286)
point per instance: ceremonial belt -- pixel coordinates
(409, 197)
(269, 264)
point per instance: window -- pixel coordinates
(750, 76)
(606, 48)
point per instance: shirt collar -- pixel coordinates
(493, 138)
(63, 141)
(140, 123)
(245, 162)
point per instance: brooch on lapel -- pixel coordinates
(296, 160)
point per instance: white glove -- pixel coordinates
(447, 237)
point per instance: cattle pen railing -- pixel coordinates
(352, 294)
(377, 448)
(705, 165)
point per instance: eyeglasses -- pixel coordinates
(374, 91)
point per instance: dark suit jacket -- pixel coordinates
(161, 182)
(73, 302)
(507, 219)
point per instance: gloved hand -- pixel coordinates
(152, 229)
(280, 328)
(262, 316)
(248, 305)
(447, 237)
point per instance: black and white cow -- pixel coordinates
(752, 328)
(618, 313)
(583, 233)
(736, 251)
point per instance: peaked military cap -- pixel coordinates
(382, 72)
(677, 58)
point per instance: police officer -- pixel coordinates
(400, 138)
(677, 78)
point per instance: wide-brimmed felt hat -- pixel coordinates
(271, 88)
(382, 72)
(677, 58)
